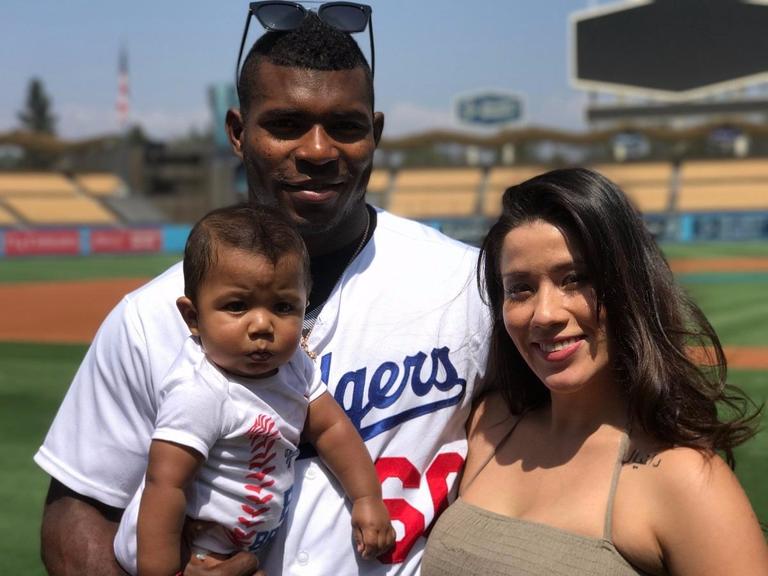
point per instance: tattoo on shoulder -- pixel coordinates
(637, 459)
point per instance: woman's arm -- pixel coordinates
(706, 525)
(162, 512)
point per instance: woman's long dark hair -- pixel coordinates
(653, 326)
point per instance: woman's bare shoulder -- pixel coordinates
(490, 414)
(491, 420)
(697, 510)
(678, 473)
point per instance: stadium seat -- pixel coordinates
(101, 184)
(723, 185)
(502, 178)
(378, 187)
(436, 193)
(721, 196)
(640, 173)
(648, 185)
(60, 211)
(6, 218)
(34, 183)
(724, 170)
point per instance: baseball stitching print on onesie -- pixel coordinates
(244, 485)
(262, 435)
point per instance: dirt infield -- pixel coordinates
(58, 312)
(720, 265)
(70, 312)
(747, 357)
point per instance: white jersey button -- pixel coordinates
(310, 473)
(302, 558)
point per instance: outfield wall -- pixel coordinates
(81, 241)
(683, 228)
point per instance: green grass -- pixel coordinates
(737, 310)
(46, 269)
(34, 378)
(752, 457)
(737, 307)
(716, 250)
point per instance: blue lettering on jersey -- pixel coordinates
(388, 383)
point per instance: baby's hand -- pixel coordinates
(372, 529)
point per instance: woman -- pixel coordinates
(594, 451)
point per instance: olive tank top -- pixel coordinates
(470, 541)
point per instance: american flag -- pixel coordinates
(122, 102)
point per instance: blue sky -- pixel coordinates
(427, 52)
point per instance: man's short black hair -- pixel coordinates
(314, 45)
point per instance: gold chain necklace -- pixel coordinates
(304, 342)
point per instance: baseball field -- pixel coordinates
(50, 309)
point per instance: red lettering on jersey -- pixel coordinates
(400, 510)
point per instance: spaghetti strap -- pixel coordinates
(608, 524)
(503, 439)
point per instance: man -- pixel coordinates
(398, 335)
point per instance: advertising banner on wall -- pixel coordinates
(124, 241)
(39, 242)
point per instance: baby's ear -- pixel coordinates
(188, 313)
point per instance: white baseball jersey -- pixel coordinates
(248, 430)
(401, 342)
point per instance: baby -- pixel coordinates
(236, 401)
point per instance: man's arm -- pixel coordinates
(77, 534)
(77, 540)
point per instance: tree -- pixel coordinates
(36, 115)
(135, 135)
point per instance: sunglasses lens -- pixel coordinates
(280, 16)
(346, 18)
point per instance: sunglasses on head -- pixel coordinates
(282, 16)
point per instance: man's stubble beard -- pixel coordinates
(307, 229)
